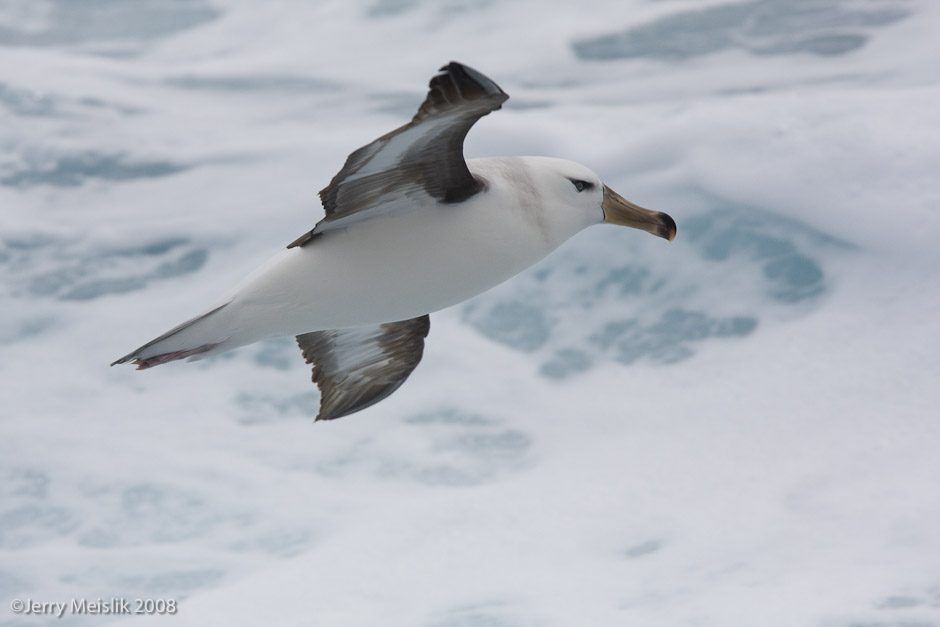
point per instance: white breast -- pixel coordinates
(423, 257)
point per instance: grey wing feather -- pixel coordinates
(358, 367)
(424, 156)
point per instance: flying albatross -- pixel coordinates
(410, 228)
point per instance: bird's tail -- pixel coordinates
(196, 338)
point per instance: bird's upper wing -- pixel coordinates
(358, 367)
(424, 156)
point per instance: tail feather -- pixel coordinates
(149, 362)
(162, 349)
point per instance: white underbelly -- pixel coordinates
(384, 270)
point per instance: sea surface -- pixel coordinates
(738, 428)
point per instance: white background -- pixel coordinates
(738, 428)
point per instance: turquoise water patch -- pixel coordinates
(57, 269)
(779, 247)
(160, 247)
(72, 284)
(31, 103)
(516, 324)
(279, 353)
(729, 266)
(449, 417)
(466, 449)
(174, 582)
(69, 22)
(187, 263)
(820, 45)
(765, 27)
(27, 103)
(444, 448)
(643, 549)
(22, 526)
(624, 281)
(795, 278)
(380, 9)
(93, 289)
(27, 517)
(73, 170)
(148, 513)
(899, 601)
(502, 444)
(566, 362)
(253, 83)
(390, 8)
(279, 542)
(30, 482)
(669, 339)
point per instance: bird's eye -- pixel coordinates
(582, 185)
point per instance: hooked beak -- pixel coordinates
(619, 210)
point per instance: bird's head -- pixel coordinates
(583, 199)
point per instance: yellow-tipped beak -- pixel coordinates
(619, 210)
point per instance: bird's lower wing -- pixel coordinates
(358, 367)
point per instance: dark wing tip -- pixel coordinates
(472, 83)
(458, 83)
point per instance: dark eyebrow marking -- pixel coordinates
(581, 185)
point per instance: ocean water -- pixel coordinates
(737, 428)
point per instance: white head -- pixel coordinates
(573, 198)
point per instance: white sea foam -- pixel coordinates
(737, 428)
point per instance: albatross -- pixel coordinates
(410, 228)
